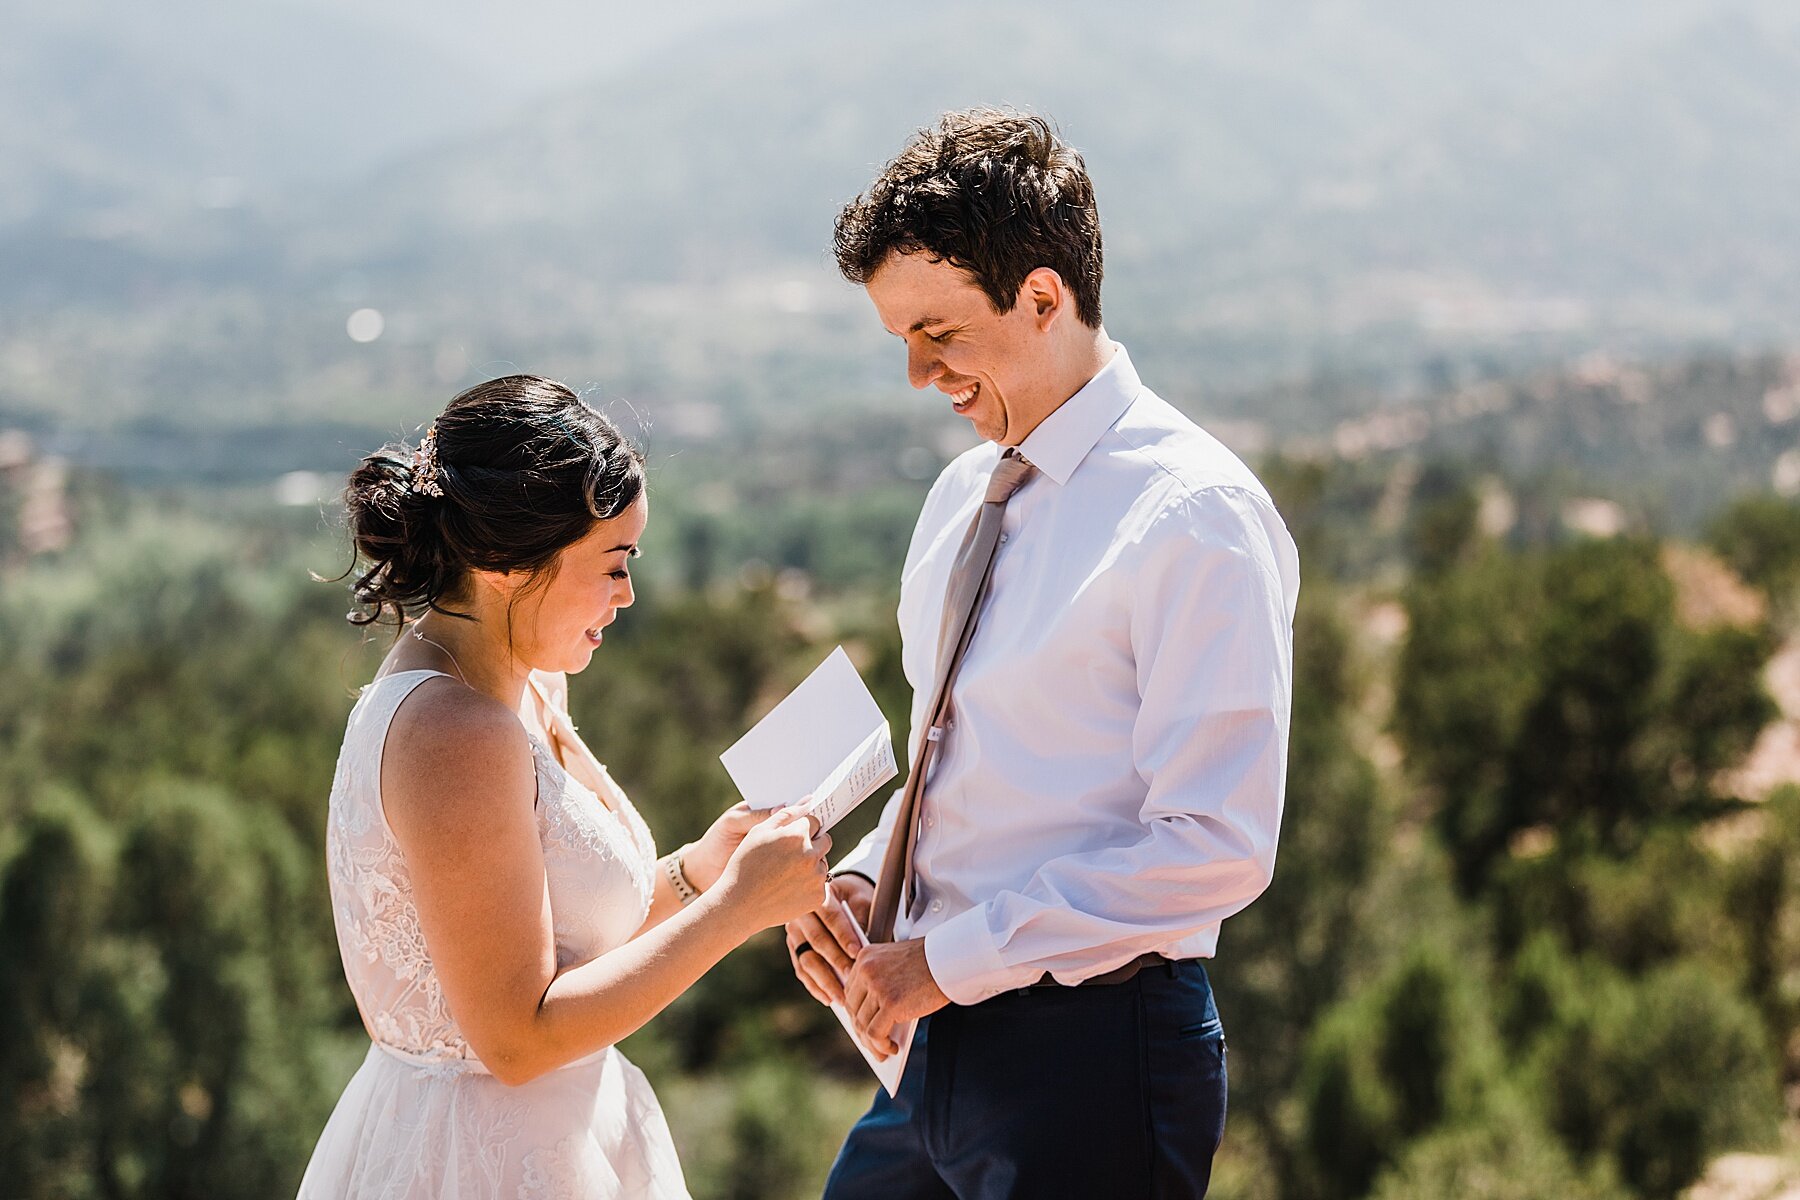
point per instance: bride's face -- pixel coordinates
(558, 621)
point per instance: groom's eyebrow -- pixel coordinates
(922, 322)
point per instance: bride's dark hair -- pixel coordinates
(525, 468)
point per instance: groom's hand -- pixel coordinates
(891, 984)
(822, 945)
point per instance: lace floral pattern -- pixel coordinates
(378, 927)
(553, 1172)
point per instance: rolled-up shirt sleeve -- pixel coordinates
(1211, 637)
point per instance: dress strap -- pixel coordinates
(383, 678)
(380, 702)
(570, 752)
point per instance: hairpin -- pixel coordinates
(425, 469)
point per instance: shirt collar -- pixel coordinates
(1062, 439)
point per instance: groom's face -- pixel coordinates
(989, 364)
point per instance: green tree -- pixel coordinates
(1759, 536)
(206, 888)
(1442, 522)
(1657, 1074)
(1764, 901)
(167, 1020)
(1668, 901)
(1411, 1053)
(1600, 649)
(1557, 690)
(1507, 1156)
(52, 910)
(1466, 677)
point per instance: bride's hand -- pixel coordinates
(779, 871)
(705, 859)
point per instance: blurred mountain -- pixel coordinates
(1657, 190)
(1190, 116)
(1204, 111)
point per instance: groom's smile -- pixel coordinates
(961, 399)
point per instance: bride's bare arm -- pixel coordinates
(458, 786)
(664, 901)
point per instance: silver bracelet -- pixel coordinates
(684, 890)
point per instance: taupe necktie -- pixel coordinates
(962, 602)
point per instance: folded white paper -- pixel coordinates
(827, 740)
(890, 1069)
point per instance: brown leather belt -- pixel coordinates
(1116, 975)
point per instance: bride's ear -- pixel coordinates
(498, 585)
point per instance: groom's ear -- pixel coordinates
(1046, 294)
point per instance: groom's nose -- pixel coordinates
(922, 365)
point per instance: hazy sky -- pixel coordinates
(564, 41)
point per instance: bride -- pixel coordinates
(500, 908)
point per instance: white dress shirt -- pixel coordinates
(1111, 777)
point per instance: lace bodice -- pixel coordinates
(599, 861)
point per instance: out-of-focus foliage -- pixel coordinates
(1759, 536)
(1556, 690)
(164, 951)
(1654, 1074)
(1508, 1156)
(1764, 894)
(1402, 1058)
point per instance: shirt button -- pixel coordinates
(930, 821)
(1005, 537)
(937, 906)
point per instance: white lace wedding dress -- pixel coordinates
(422, 1118)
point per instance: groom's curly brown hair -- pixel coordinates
(994, 192)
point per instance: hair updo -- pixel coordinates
(525, 467)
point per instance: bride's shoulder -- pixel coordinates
(449, 748)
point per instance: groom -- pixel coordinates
(1096, 610)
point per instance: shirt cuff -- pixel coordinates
(965, 962)
(865, 857)
(860, 861)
